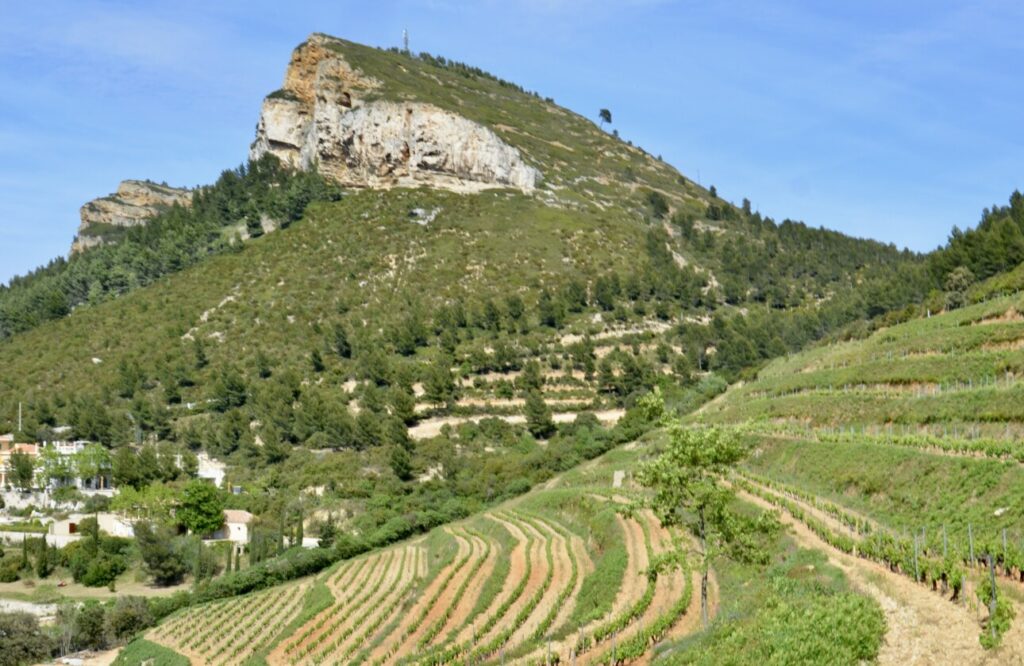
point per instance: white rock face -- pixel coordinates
(134, 203)
(320, 118)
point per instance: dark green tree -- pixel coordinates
(230, 390)
(538, 415)
(316, 360)
(23, 469)
(162, 556)
(439, 387)
(400, 463)
(342, 347)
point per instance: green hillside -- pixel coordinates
(902, 447)
(615, 243)
(947, 375)
(468, 397)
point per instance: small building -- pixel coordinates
(211, 470)
(7, 447)
(235, 527)
(111, 523)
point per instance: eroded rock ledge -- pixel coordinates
(321, 116)
(134, 203)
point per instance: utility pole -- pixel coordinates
(19, 417)
(405, 40)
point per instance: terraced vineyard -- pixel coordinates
(561, 573)
(954, 375)
(900, 457)
(229, 632)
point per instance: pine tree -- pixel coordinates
(538, 415)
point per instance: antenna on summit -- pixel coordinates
(405, 40)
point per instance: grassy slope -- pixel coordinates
(919, 431)
(954, 368)
(570, 150)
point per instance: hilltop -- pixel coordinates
(615, 238)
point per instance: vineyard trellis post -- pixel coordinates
(992, 598)
(945, 543)
(970, 542)
(917, 576)
(1004, 546)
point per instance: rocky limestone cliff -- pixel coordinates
(322, 116)
(134, 203)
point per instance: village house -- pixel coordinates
(235, 527)
(111, 523)
(7, 447)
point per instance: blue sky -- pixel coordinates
(889, 120)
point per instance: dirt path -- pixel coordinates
(428, 428)
(343, 607)
(634, 582)
(830, 521)
(922, 627)
(584, 566)
(691, 621)
(631, 589)
(538, 572)
(343, 617)
(536, 583)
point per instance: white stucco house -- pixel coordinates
(111, 523)
(236, 526)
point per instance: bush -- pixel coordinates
(96, 564)
(21, 641)
(89, 628)
(9, 568)
(128, 617)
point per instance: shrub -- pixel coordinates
(21, 641)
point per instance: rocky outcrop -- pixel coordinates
(134, 203)
(323, 116)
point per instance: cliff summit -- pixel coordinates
(327, 114)
(135, 202)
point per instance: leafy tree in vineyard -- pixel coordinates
(689, 492)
